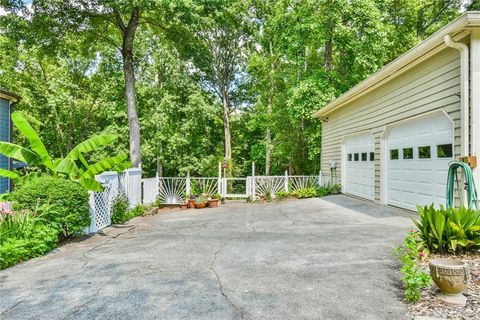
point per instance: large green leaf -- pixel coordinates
(35, 142)
(69, 167)
(19, 153)
(9, 174)
(91, 184)
(104, 165)
(91, 145)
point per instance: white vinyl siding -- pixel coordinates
(432, 85)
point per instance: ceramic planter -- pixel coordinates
(213, 203)
(201, 205)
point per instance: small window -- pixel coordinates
(372, 156)
(444, 151)
(349, 157)
(424, 152)
(407, 153)
(355, 156)
(364, 156)
(394, 154)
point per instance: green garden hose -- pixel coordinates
(472, 200)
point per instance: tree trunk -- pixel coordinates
(268, 137)
(128, 33)
(226, 127)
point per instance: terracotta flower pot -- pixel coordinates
(451, 276)
(213, 203)
(191, 203)
(184, 206)
(201, 205)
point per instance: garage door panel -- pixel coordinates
(359, 169)
(419, 181)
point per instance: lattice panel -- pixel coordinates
(270, 184)
(301, 182)
(172, 190)
(101, 204)
(204, 185)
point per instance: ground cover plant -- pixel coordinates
(24, 235)
(121, 213)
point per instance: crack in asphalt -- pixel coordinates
(9, 309)
(83, 305)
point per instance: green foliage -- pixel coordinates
(414, 278)
(282, 195)
(325, 191)
(449, 230)
(217, 196)
(119, 209)
(73, 166)
(120, 212)
(23, 236)
(201, 199)
(305, 193)
(58, 201)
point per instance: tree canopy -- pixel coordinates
(188, 83)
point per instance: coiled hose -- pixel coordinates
(472, 199)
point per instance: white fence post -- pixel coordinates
(187, 184)
(286, 181)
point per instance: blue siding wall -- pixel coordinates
(4, 136)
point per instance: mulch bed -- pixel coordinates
(430, 306)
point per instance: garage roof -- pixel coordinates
(8, 95)
(457, 29)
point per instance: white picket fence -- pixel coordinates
(173, 190)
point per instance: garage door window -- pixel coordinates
(394, 154)
(407, 153)
(424, 152)
(355, 156)
(349, 157)
(444, 151)
(372, 156)
(364, 156)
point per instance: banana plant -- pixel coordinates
(73, 166)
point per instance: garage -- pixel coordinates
(417, 156)
(359, 163)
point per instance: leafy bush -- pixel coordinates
(59, 201)
(414, 278)
(449, 230)
(282, 195)
(325, 191)
(119, 209)
(24, 236)
(120, 212)
(304, 193)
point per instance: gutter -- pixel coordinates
(464, 91)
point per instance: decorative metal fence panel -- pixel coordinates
(296, 183)
(268, 185)
(208, 186)
(172, 190)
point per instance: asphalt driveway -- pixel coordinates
(328, 258)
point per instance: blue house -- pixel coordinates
(7, 101)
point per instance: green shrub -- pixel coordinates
(282, 195)
(414, 278)
(120, 212)
(325, 191)
(59, 201)
(119, 209)
(24, 236)
(304, 193)
(449, 230)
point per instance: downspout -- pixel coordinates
(464, 92)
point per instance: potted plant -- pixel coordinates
(201, 202)
(213, 201)
(184, 206)
(191, 201)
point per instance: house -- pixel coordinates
(7, 101)
(391, 138)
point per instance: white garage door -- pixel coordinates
(418, 154)
(360, 166)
